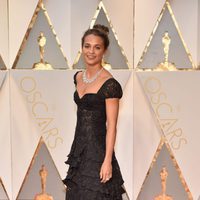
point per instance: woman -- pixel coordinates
(94, 173)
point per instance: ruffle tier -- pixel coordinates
(83, 180)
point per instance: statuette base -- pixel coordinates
(43, 197)
(42, 66)
(166, 66)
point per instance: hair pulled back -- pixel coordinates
(98, 30)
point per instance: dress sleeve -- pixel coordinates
(112, 89)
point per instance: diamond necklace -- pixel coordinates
(87, 80)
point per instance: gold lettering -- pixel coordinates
(32, 98)
(167, 123)
(181, 141)
(155, 100)
(176, 133)
(44, 122)
(163, 109)
(28, 84)
(51, 132)
(39, 109)
(152, 85)
(57, 140)
(162, 105)
(40, 105)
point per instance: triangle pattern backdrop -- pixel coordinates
(3, 194)
(5, 136)
(29, 51)
(176, 187)
(115, 55)
(2, 64)
(175, 105)
(153, 54)
(32, 183)
(146, 135)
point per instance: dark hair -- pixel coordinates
(98, 30)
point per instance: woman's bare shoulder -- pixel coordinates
(79, 76)
(106, 75)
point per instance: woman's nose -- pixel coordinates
(91, 50)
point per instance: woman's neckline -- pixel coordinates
(89, 93)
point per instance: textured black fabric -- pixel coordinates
(88, 148)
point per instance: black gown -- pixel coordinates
(88, 148)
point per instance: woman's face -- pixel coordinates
(93, 50)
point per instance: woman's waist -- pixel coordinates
(85, 127)
(91, 119)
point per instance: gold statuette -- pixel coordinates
(43, 195)
(163, 195)
(42, 65)
(166, 65)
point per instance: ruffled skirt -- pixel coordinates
(83, 181)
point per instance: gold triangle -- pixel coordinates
(2, 64)
(40, 143)
(40, 6)
(4, 189)
(163, 142)
(165, 7)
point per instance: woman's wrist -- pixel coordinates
(108, 159)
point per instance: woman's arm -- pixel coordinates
(112, 108)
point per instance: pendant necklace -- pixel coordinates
(87, 80)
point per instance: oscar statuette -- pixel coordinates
(42, 65)
(43, 195)
(163, 195)
(166, 65)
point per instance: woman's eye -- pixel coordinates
(86, 46)
(98, 48)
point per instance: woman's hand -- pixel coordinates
(106, 172)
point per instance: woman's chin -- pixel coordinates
(91, 63)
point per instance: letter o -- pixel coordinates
(28, 84)
(152, 85)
